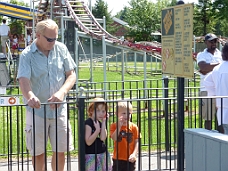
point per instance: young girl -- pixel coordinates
(14, 43)
(95, 135)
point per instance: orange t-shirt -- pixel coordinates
(132, 133)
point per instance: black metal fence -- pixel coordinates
(154, 111)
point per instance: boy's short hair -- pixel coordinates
(124, 105)
(94, 104)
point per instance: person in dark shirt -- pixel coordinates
(96, 154)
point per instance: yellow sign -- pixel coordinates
(177, 36)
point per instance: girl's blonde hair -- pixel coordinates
(94, 104)
(48, 23)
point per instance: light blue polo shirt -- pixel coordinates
(47, 75)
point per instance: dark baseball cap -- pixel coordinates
(210, 36)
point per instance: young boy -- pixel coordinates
(125, 135)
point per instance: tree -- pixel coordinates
(21, 3)
(204, 18)
(173, 2)
(122, 14)
(220, 8)
(99, 10)
(144, 17)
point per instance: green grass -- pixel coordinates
(13, 127)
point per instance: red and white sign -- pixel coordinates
(9, 101)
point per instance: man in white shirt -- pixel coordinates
(4, 33)
(216, 85)
(206, 61)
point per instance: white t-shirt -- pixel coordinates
(28, 40)
(216, 85)
(4, 30)
(208, 58)
(15, 41)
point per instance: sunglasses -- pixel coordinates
(49, 39)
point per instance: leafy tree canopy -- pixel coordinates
(99, 10)
(144, 17)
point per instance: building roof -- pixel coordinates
(15, 11)
(120, 21)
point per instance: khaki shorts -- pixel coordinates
(64, 135)
(208, 107)
(4, 39)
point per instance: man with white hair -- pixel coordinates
(46, 74)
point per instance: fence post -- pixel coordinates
(180, 117)
(81, 134)
(166, 95)
(180, 120)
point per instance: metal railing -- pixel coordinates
(156, 117)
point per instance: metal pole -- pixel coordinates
(116, 61)
(104, 65)
(122, 59)
(90, 5)
(81, 135)
(51, 15)
(135, 62)
(145, 82)
(26, 37)
(76, 58)
(166, 112)
(91, 59)
(151, 64)
(104, 57)
(180, 120)
(62, 28)
(104, 22)
(33, 21)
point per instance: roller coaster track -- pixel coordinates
(87, 23)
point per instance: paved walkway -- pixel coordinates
(156, 163)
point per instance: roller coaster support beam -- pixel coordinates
(116, 61)
(76, 57)
(135, 61)
(123, 71)
(104, 66)
(33, 20)
(144, 68)
(91, 59)
(62, 28)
